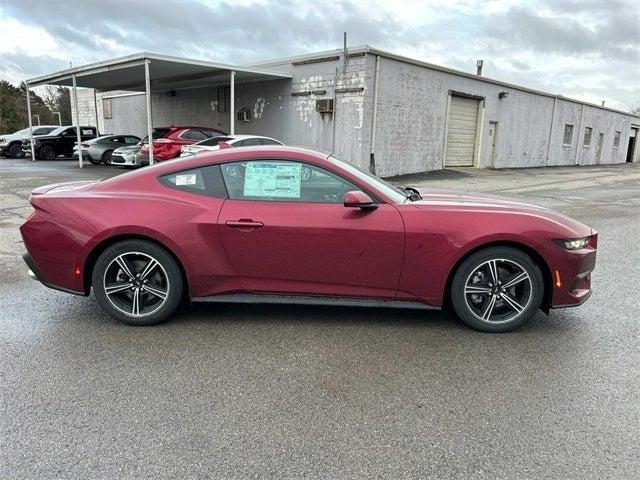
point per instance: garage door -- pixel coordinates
(461, 132)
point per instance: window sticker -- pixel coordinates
(268, 179)
(186, 179)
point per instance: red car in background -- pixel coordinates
(241, 225)
(168, 141)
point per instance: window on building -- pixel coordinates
(568, 135)
(224, 99)
(616, 140)
(587, 136)
(106, 108)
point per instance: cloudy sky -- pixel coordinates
(583, 49)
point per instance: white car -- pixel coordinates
(211, 144)
(11, 145)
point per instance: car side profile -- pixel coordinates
(168, 141)
(260, 233)
(58, 142)
(213, 144)
(99, 150)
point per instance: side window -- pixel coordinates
(267, 141)
(282, 180)
(131, 140)
(196, 135)
(201, 181)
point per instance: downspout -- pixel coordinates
(575, 161)
(553, 119)
(374, 117)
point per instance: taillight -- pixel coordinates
(85, 145)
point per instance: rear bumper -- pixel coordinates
(36, 274)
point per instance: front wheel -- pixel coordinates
(137, 282)
(47, 152)
(15, 151)
(497, 289)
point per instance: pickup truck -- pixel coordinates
(11, 145)
(58, 142)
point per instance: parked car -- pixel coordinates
(11, 145)
(58, 142)
(347, 238)
(211, 144)
(99, 150)
(127, 156)
(168, 141)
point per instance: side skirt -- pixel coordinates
(311, 300)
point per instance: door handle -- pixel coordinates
(244, 223)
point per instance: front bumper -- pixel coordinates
(125, 159)
(572, 277)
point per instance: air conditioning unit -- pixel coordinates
(244, 115)
(324, 105)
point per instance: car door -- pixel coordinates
(285, 235)
(67, 139)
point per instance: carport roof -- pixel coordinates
(166, 73)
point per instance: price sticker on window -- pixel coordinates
(186, 179)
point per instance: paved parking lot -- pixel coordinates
(227, 391)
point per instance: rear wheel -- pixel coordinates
(47, 152)
(15, 151)
(497, 289)
(137, 282)
(106, 157)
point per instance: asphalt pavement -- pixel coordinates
(236, 391)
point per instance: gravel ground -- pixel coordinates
(228, 391)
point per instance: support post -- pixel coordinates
(33, 150)
(75, 108)
(147, 86)
(95, 108)
(232, 103)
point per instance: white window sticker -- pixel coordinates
(186, 179)
(87, 132)
(269, 179)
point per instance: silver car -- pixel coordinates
(127, 157)
(100, 150)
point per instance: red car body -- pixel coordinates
(399, 251)
(170, 144)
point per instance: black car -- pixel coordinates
(58, 142)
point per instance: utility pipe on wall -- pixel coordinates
(75, 108)
(374, 117)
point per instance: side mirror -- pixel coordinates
(358, 199)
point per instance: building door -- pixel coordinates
(462, 126)
(599, 149)
(493, 130)
(631, 150)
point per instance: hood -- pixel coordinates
(127, 149)
(486, 202)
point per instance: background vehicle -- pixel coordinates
(99, 150)
(346, 238)
(58, 142)
(127, 157)
(11, 145)
(211, 144)
(168, 141)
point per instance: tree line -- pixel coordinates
(13, 107)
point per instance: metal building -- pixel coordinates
(390, 114)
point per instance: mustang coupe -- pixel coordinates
(241, 225)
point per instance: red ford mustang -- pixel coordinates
(244, 225)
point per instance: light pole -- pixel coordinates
(59, 117)
(37, 118)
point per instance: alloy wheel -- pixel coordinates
(136, 284)
(498, 290)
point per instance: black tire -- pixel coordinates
(509, 305)
(15, 151)
(163, 278)
(93, 160)
(106, 157)
(47, 152)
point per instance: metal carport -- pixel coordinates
(149, 73)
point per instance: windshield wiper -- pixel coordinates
(411, 193)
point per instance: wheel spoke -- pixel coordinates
(516, 279)
(135, 302)
(117, 287)
(479, 289)
(512, 303)
(153, 290)
(148, 268)
(493, 270)
(124, 266)
(486, 315)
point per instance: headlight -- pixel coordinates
(573, 243)
(3, 141)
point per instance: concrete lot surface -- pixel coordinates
(228, 391)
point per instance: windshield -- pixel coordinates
(385, 187)
(57, 131)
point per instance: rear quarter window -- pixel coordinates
(205, 181)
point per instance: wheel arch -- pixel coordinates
(91, 259)
(539, 259)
